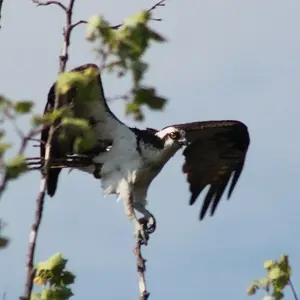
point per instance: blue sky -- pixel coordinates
(223, 60)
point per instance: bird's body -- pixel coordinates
(128, 159)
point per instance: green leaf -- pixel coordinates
(264, 283)
(148, 97)
(61, 293)
(278, 295)
(47, 294)
(50, 117)
(80, 80)
(15, 167)
(157, 103)
(268, 264)
(126, 46)
(138, 69)
(68, 278)
(4, 102)
(132, 107)
(55, 262)
(3, 242)
(35, 296)
(93, 23)
(94, 26)
(23, 107)
(284, 259)
(157, 37)
(81, 124)
(141, 17)
(274, 273)
(4, 147)
(84, 143)
(252, 289)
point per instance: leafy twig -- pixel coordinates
(156, 5)
(40, 199)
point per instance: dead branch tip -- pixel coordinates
(39, 3)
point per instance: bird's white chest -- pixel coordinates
(128, 168)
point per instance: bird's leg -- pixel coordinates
(140, 229)
(150, 221)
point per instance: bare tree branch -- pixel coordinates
(47, 162)
(293, 290)
(3, 184)
(40, 199)
(1, 4)
(78, 23)
(141, 268)
(158, 4)
(39, 3)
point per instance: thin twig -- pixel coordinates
(47, 159)
(1, 4)
(32, 240)
(78, 23)
(141, 268)
(3, 184)
(156, 5)
(63, 58)
(293, 290)
(24, 142)
(39, 3)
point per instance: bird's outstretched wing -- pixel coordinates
(102, 121)
(215, 154)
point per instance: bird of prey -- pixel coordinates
(127, 159)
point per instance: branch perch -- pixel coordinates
(141, 269)
(46, 163)
(1, 4)
(41, 197)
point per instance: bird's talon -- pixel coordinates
(149, 224)
(142, 235)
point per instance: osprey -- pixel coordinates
(127, 159)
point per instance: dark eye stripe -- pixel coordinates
(174, 135)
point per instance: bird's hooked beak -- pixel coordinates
(183, 142)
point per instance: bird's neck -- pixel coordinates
(159, 155)
(153, 147)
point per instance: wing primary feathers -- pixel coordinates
(218, 195)
(206, 202)
(196, 193)
(215, 156)
(235, 179)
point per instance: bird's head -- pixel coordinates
(172, 136)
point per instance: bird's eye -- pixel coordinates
(174, 135)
